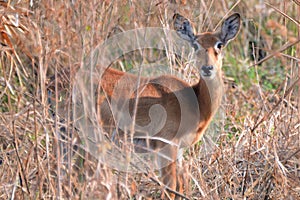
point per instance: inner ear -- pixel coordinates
(184, 28)
(230, 28)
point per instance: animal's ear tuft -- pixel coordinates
(230, 28)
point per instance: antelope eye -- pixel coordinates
(218, 46)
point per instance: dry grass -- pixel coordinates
(255, 153)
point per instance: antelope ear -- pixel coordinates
(184, 29)
(230, 28)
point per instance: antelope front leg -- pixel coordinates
(174, 179)
(169, 177)
(180, 172)
(168, 169)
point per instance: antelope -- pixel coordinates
(171, 131)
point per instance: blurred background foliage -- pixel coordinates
(256, 151)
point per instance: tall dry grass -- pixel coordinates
(255, 153)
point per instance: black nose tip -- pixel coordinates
(207, 70)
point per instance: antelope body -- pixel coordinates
(201, 101)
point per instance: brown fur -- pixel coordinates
(162, 91)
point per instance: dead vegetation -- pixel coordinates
(255, 150)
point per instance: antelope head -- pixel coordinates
(209, 45)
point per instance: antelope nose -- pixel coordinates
(206, 70)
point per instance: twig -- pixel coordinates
(167, 188)
(283, 48)
(21, 166)
(276, 105)
(284, 14)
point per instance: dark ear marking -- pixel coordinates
(230, 27)
(184, 29)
